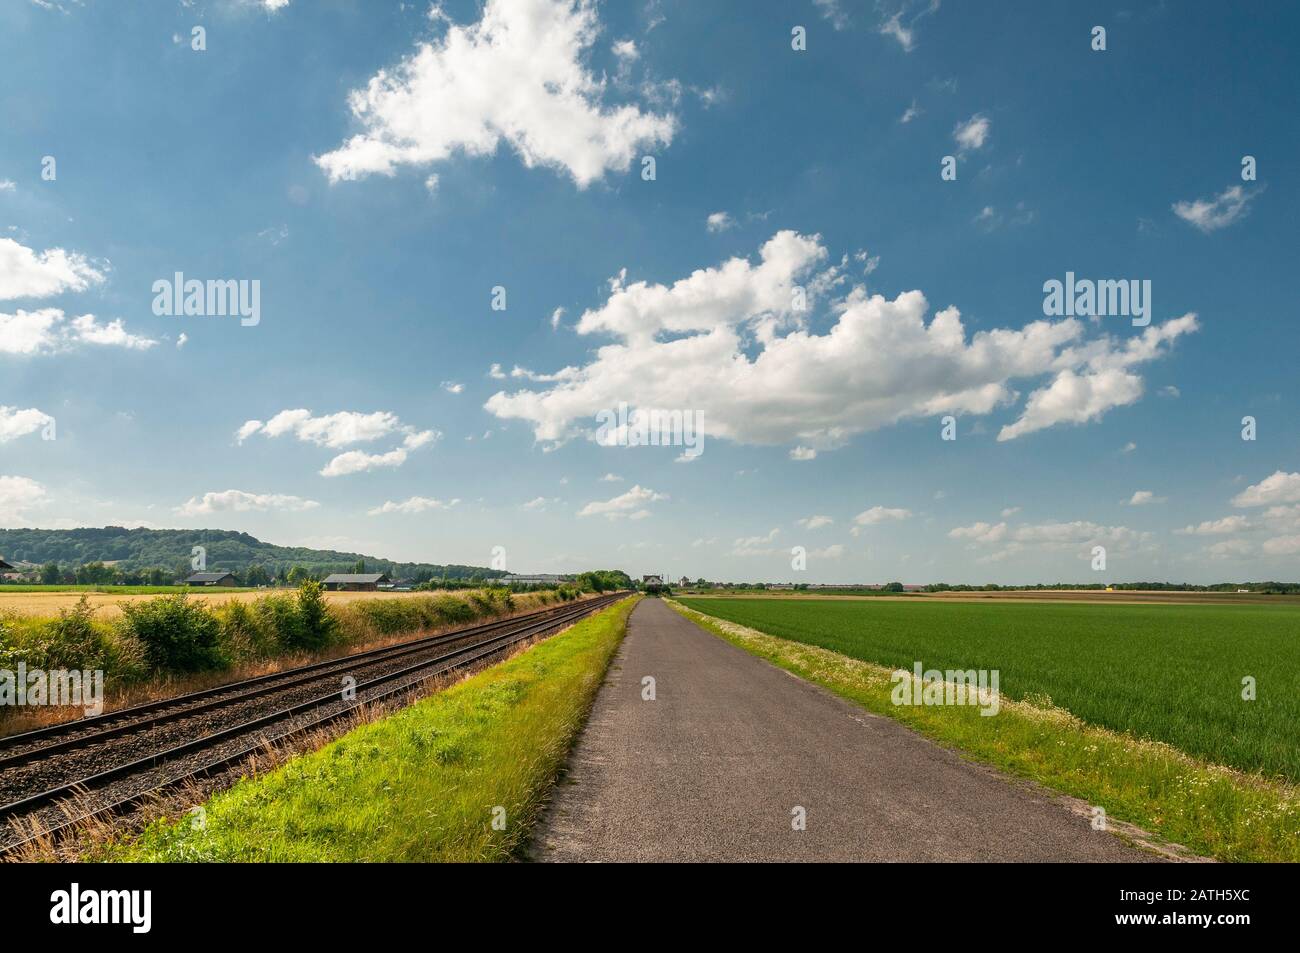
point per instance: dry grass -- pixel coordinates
(48, 604)
(123, 696)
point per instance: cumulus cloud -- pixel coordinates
(1078, 536)
(1219, 212)
(1281, 487)
(26, 273)
(16, 423)
(803, 453)
(239, 501)
(719, 222)
(973, 133)
(980, 532)
(343, 429)
(1221, 527)
(416, 504)
(814, 522)
(49, 331)
(1143, 497)
(881, 514)
(756, 545)
(731, 342)
(516, 76)
(18, 495)
(631, 505)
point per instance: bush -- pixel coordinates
(316, 625)
(279, 615)
(177, 635)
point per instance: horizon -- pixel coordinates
(373, 333)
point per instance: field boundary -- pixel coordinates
(1211, 810)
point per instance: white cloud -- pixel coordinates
(451, 387)
(48, 331)
(1211, 214)
(625, 50)
(631, 504)
(8, 185)
(416, 504)
(113, 334)
(719, 222)
(832, 11)
(756, 545)
(25, 273)
(358, 461)
(1229, 549)
(496, 373)
(1128, 447)
(834, 551)
(973, 133)
(1104, 383)
(537, 503)
(880, 514)
(910, 113)
(15, 423)
(727, 341)
(515, 76)
(814, 522)
(331, 430)
(1010, 511)
(611, 478)
(556, 317)
(182, 340)
(239, 501)
(1220, 527)
(980, 532)
(344, 429)
(1143, 497)
(1281, 487)
(17, 496)
(905, 32)
(803, 453)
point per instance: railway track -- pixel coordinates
(113, 761)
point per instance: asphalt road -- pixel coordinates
(716, 766)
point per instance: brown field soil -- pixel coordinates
(108, 604)
(1127, 597)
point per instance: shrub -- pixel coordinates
(279, 615)
(177, 635)
(316, 625)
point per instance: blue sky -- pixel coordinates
(502, 145)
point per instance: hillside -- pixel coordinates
(135, 549)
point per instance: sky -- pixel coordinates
(822, 233)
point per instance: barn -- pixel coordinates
(211, 579)
(4, 565)
(355, 581)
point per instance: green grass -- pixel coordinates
(1212, 810)
(1167, 673)
(420, 785)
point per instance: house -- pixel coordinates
(211, 579)
(5, 565)
(534, 579)
(355, 581)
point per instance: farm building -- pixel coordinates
(211, 579)
(534, 579)
(355, 581)
(4, 565)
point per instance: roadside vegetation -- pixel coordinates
(1060, 675)
(160, 645)
(461, 776)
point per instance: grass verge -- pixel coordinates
(423, 785)
(1213, 810)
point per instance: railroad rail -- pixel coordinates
(118, 758)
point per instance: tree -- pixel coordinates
(298, 575)
(360, 567)
(893, 587)
(50, 574)
(256, 576)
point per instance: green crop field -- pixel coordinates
(1170, 673)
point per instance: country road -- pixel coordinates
(732, 751)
